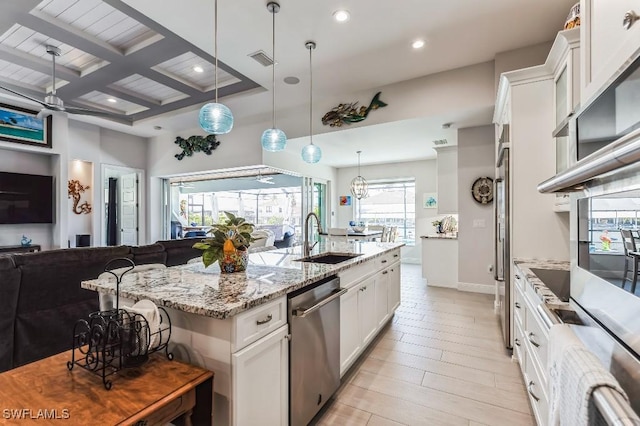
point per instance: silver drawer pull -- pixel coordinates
(385, 272)
(384, 261)
(517, 305)
(629, 19)
(533, 342)
(395, 255)
(533, 395)
(517, 342)
(266, 320)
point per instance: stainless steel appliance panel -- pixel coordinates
(502, 268)
(314, 321)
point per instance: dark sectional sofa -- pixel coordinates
(41, 298)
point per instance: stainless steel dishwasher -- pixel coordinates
(314, 374)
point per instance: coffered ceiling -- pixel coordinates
(142, 54)
(113, 59)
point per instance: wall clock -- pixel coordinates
(482, 190)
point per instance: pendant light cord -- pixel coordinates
(215, 48)
(273, 67)
(311, 47)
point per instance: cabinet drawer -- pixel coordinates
(171, 410)
(519, 345)
(537, 392)
(537, 340)
(518, 278)
(350, 277)
(519, 305)
(257, 322)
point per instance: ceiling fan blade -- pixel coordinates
(24, 96)
(93, 112)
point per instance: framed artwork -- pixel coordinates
(345, 200)
(21, 125)
(430, 200)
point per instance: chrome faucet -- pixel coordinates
(307, 247)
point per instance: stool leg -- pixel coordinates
(635, 276)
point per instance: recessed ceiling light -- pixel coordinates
(198, 68)
(417, 44)
(291, 80)
(341, 15)
(112, 100)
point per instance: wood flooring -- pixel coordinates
(441, 361)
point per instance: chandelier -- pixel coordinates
(359, 185)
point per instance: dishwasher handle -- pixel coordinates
(302, 312)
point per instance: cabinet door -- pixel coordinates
(394, 289)
(350, 342)
(607, 43)
(260, 381)
(367, 310)
(382, 297)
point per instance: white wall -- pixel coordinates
(447, 166)
(475, 221)
(424, 173)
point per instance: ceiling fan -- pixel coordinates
(52, 102)
(182, 185)
(265, 179)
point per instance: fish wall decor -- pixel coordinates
(193, 144)
(350, 113)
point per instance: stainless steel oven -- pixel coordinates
(605, 212)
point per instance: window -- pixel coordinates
(391, 203)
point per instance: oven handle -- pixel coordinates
(301, 312)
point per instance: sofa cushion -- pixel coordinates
(9, 290)
(51, 299)
(152, 253)
(180, 251)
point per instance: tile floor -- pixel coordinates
(440, 361)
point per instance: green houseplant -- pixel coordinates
(227, 244)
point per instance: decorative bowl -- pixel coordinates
(358, 228)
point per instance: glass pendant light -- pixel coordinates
(311, 153)
(359, 185)
(273, 139)
(216, 118)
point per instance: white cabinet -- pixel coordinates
(350, 341)
(261, 381)
(530, 344)
(382, 297)
(607, 43)
(367, 310)
(563, 63)
(367, 306)
(393, 298)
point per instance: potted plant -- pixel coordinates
(227, 244)
(438, 225)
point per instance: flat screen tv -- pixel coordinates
(25, 198)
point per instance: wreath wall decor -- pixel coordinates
(75, 189)
(193, 144)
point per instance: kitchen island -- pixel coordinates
(236, 324)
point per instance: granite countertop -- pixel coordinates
(546, 295)
(204, 291)
(441, 236)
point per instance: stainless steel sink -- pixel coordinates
(329, 258)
